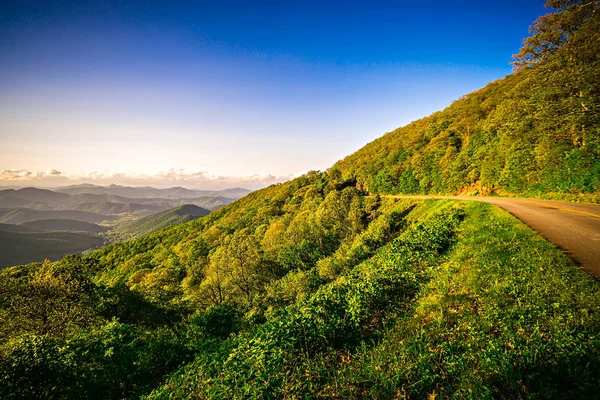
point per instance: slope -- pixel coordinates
(108, 208)
(151, 223)
(20, 215)
(16, 228)
(63, 225)
(534, 132)
(25, 247)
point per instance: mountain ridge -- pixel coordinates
(534, 132)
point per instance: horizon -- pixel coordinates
(112, 185)
(216, 96)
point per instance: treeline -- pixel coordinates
(535, 132)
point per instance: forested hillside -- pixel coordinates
(535, 132)
(154, 222)
(316, 288)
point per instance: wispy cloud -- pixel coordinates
(24, 175)
(171, 177)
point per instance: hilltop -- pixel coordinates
(63, 225)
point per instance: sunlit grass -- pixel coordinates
(508, 315)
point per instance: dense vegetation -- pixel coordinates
(307, 289)
(317, 289)
(535, 132)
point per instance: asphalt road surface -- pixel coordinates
(573, 227)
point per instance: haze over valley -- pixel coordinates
(36, 224)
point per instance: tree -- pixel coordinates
(549, 32)
(51, 299)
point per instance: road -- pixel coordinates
(573, 227)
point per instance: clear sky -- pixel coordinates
(227, 93)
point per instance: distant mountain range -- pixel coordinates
(114, 199)
(150, 192)
(38, 223)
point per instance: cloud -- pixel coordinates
(52, 172)
(168, 178)
(24, 175)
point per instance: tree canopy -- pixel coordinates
(549, 32)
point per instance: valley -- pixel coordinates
(39, 223)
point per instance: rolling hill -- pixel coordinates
(24, 247)
(20, 215)
(35, 195)
(321, 288)
(108, 208)
(151, 223)
(154, 204)
(104, 201)
(63, 225)
(7, 201)
(46, 210)
(16, 228)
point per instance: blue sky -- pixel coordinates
(207, 94)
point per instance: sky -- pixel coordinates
(214, 94)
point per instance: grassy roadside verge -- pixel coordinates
(508, 316)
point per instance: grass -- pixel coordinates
(508, 316)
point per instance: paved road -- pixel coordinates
(573, 227)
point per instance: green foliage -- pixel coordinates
(112, 361)
(314, 289)
(550, 32)
(532, 133)
(50, 299)
(508, 316)
(269, 361)
(218, 321)
(101, 322)
(466, 302)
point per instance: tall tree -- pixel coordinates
(549, 32)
